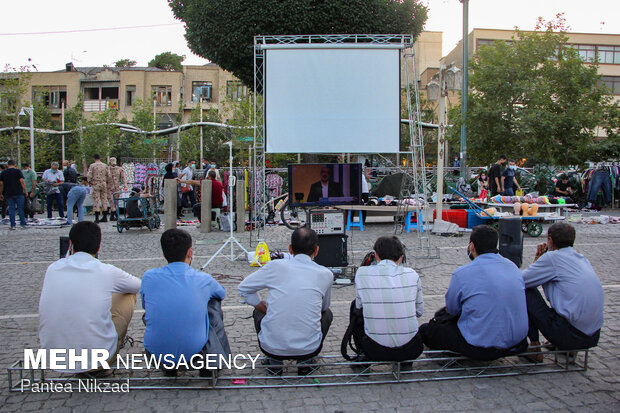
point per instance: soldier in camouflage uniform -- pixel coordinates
(116, 175)
(98, 177)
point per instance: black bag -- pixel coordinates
(356, 323)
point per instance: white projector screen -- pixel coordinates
(322, 100)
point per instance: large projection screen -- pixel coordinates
(332, 100)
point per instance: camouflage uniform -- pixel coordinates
(116, 174)
(98, 177)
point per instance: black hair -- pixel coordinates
(96, 156)
(174, 244)
(168, 168)
(191, 160)
(562, 234)
(484, 238)
(11, 162)
(25, 164)
(211, 174)
(304, 241)
(389, 248)
(502, 157)
(85, 236)
(563, 177)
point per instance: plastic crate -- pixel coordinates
(456, 216)
(473, 219)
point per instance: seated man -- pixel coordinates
(182, 308)
(390, 297)
(487, 315)
(575, 318)
(563, 189)
(85, 304)
(294, 321)
(217, 194)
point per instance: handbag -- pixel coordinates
(185, 189)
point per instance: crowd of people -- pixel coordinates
(492, 308)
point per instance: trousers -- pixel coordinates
(100, 197)
(50, 198)
(600, 180)
(557, 329)
(76, 197)
(16, 203)
(326, 321)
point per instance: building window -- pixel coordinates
(587, 52)
(201, 90)
(130, 95)
(235, 89)
(609, 54)
(163, 95)
(612, 83)
(50, 96)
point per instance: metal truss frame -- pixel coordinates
(261, 43)
(327, 371)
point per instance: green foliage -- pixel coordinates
(168, 61)
(213, 139)
(223, 30)
(125, 63)
(13, 84)
(144, 146)
(532, 98)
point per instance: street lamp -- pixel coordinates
(30, 111)
(447, 79)
(465, 91)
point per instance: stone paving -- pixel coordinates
(25, 255)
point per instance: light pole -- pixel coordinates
(465, 89)
(447, 79)
(30, 111)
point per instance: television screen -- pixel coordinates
(325, 184)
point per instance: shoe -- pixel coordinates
(23, 227)
(12, 228)
(206, 373)
(273, 366)
(534, 353)
(97, 374)
(358, 362)
(306, 370)
(97, 218)
(170, 372)
(105, 217)
(113, 216)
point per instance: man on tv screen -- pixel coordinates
(325, 188)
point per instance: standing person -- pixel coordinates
(69, 172)
(116, 175)
(85, 304)
(98, 178)
(294, 321)
(182, 305)
(573, 289)
(483, 183)
(52, 178)
(170, 174)
(389, 300)
(509, 179)
(495, 176)
(13, 188)
(189, 199)
(4, 205)
(30, 178)
(76, 197)
(486, 315)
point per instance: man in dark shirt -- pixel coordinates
(69, 173)
(509, 179)
(13, 188)
(495, 176)
(562, 188)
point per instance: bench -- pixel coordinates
(328, 370)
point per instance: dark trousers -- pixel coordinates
(445, 335)
(377, 352)
(50, 199)
(557, 329)
(326, 322)
(600, 180)
(188, 199)
(16, 206)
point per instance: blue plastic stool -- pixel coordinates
(409, 226)
(351, 223)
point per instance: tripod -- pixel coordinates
(231, 239)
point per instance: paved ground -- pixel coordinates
(24, 256)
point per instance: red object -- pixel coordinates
(456, 216)
(216, 194)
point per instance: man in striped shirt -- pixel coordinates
(390, 296)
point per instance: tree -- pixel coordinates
(223, 30)
(168, 61)
(533, 98)
(125, 63)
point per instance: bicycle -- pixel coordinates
(291, 216)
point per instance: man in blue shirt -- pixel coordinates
(183, 315)
(486, 304)
(509, 179)
(570, 284)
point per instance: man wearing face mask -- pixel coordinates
(509, 180)
(52, 178)
(486, 310)
(495, 176)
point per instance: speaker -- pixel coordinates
(511, 239)
(332, 251)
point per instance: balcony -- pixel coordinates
(92, 105)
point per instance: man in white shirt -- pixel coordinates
(390, 297)
(295, 319)
(85, 304)
(52, 178)
(187, 190)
